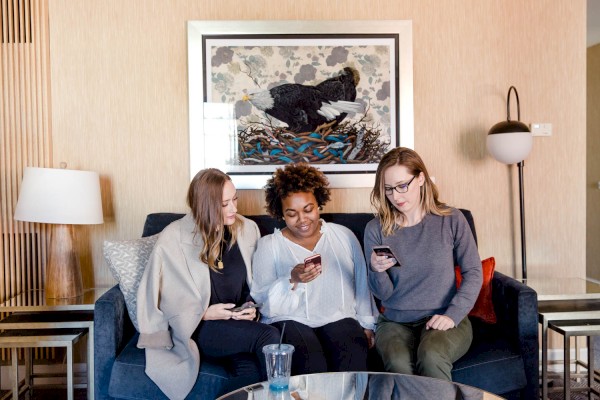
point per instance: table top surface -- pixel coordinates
(36, 301)
(362, 385)
(549, 289)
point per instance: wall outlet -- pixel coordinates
(541, 129)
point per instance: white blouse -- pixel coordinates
(341, 291)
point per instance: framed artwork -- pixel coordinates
(262, 94)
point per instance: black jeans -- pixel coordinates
(338, 346)
(240, 343)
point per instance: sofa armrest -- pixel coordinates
(112, 330)
(516, 308)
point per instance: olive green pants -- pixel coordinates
(409, 348)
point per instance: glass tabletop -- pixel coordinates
(362, 385)
(564, 288)
(35, 300)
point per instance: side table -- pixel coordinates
(563, 299)
(31, 310)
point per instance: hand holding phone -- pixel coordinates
(245, 306)
(384, 250)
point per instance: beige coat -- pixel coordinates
(173, 295)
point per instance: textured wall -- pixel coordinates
(593, 162)
(120, 107)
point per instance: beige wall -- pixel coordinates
(593, 162)
(119, 106)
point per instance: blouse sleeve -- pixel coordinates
(153, 326)
(269, 287)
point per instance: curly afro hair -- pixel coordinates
(295, 178)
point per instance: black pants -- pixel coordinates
(239, 342)
(338, 346)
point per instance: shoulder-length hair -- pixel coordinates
(205, 198)
(391, 218)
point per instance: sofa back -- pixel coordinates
(356, 222)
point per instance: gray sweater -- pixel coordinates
(425, 283)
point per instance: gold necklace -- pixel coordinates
(220, 259)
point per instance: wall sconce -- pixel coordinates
(61, 197)
(510, 142)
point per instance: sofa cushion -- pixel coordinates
(484, 306)
(214, 379)
(127, 260)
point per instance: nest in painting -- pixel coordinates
(346, 143)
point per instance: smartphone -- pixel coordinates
(245, 306)
(384, 250)
(315, 259)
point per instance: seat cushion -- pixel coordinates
(492, 363)
(213, 380)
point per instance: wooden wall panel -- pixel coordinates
(593, 162)
(25, 140)
(119, 97)
(25, 136)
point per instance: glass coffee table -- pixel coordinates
(362, 385)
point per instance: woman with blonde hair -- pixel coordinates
(424, 328)
(199, 270)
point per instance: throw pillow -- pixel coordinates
(484, 307)
(127, 260)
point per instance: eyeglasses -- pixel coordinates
(401, 188)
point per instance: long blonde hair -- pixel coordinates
(385, 210)
(205, 198)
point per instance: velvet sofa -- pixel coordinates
(503, 358)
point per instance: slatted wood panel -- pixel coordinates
(25, 138)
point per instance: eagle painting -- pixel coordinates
(304, 108)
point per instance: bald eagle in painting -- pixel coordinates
(303, 108)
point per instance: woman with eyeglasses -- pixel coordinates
(424, 327)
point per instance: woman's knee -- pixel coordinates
(272, 333)
(398, 365)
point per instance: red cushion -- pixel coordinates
(483, 308)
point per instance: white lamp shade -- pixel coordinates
(60, 196)
(510, 147)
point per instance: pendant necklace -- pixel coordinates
(220, 259)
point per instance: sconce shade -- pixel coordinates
(509, 147)
(60, 196)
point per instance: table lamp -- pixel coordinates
(510, 142)
(62, 197)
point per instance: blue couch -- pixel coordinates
(503, 358)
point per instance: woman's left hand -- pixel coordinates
(440, 322)
(370, 337)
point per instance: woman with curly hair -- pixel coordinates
(327, 307)
(424, 327)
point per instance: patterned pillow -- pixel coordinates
(127, 260)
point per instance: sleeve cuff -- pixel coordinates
(367, 322)
(156, 340)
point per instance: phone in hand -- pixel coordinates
(384, 250)
(314, 259)
(245, 307)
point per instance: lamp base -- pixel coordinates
(63, 273)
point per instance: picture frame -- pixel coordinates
(335, 94)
